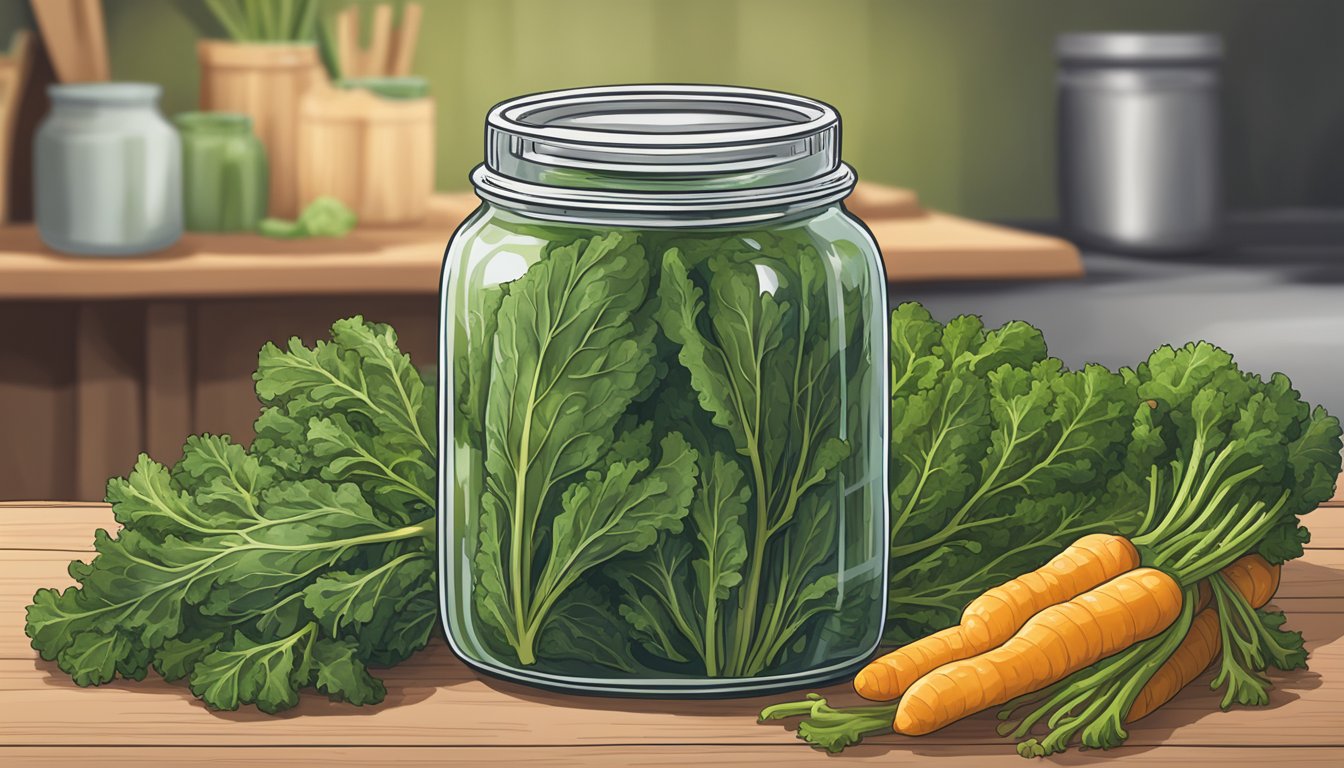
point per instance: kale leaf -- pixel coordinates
(571, 356)
(762, 366)
(999, 458)
(256, 573)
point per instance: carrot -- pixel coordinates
(1256, 580)
(1050, 646)
(990, 619)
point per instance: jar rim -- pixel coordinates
(703, 153)
(200, 120)
(115, 93)
(746, 116)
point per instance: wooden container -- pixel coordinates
(374, 154)
(266, 81)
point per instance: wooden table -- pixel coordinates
(440, 713)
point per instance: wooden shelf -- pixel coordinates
(439, 712)
(367, 261)
(917, 245)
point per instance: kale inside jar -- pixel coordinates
(664, 398)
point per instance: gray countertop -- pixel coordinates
(1273, 296)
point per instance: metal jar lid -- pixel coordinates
(663, 155)
(1139, 47)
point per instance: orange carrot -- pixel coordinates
(1051, 645)
(993, 617)
(1256, 580)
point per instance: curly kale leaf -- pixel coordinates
(256, 573)
(1242, 459)
(999, 458)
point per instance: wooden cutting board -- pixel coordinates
(919, 245)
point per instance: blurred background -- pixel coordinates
(951, 106)
(953, 98)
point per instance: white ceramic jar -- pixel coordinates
(107, 171)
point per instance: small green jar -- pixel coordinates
(224, 176)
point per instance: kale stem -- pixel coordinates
(746, 625)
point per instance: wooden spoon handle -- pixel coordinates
(408, 31)
(380, 40)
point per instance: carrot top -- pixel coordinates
(1001, 456)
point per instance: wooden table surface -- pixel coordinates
(439, 712)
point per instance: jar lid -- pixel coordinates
(104, 93)
(217, 121)
(1139, 47)
(712, 154)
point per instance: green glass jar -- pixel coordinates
(664, 398)
(224, 172)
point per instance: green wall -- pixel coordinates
(951, 97)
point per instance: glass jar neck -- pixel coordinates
(104, 97)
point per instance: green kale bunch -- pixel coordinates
(999, 459)
(256, 573)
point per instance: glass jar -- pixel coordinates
(663, 381)
(107, 171)
(224, 173)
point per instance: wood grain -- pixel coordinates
(109, 367)
(439, 710)
(37, 404)
(168, 384)
(663, 756)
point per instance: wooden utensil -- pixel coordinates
(32, 107)
(75, 34)
(56, 19)
(390, 52)
(94, 31)
(347, 43)
(403, 47)
(13, 77)
(380, 41)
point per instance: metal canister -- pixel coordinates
(1139, 146)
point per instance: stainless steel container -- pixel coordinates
(1139, 140)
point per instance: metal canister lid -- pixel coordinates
(1139, 47)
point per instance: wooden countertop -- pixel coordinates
(438, 712)
(917, 245)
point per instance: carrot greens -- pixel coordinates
(1000, 456)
